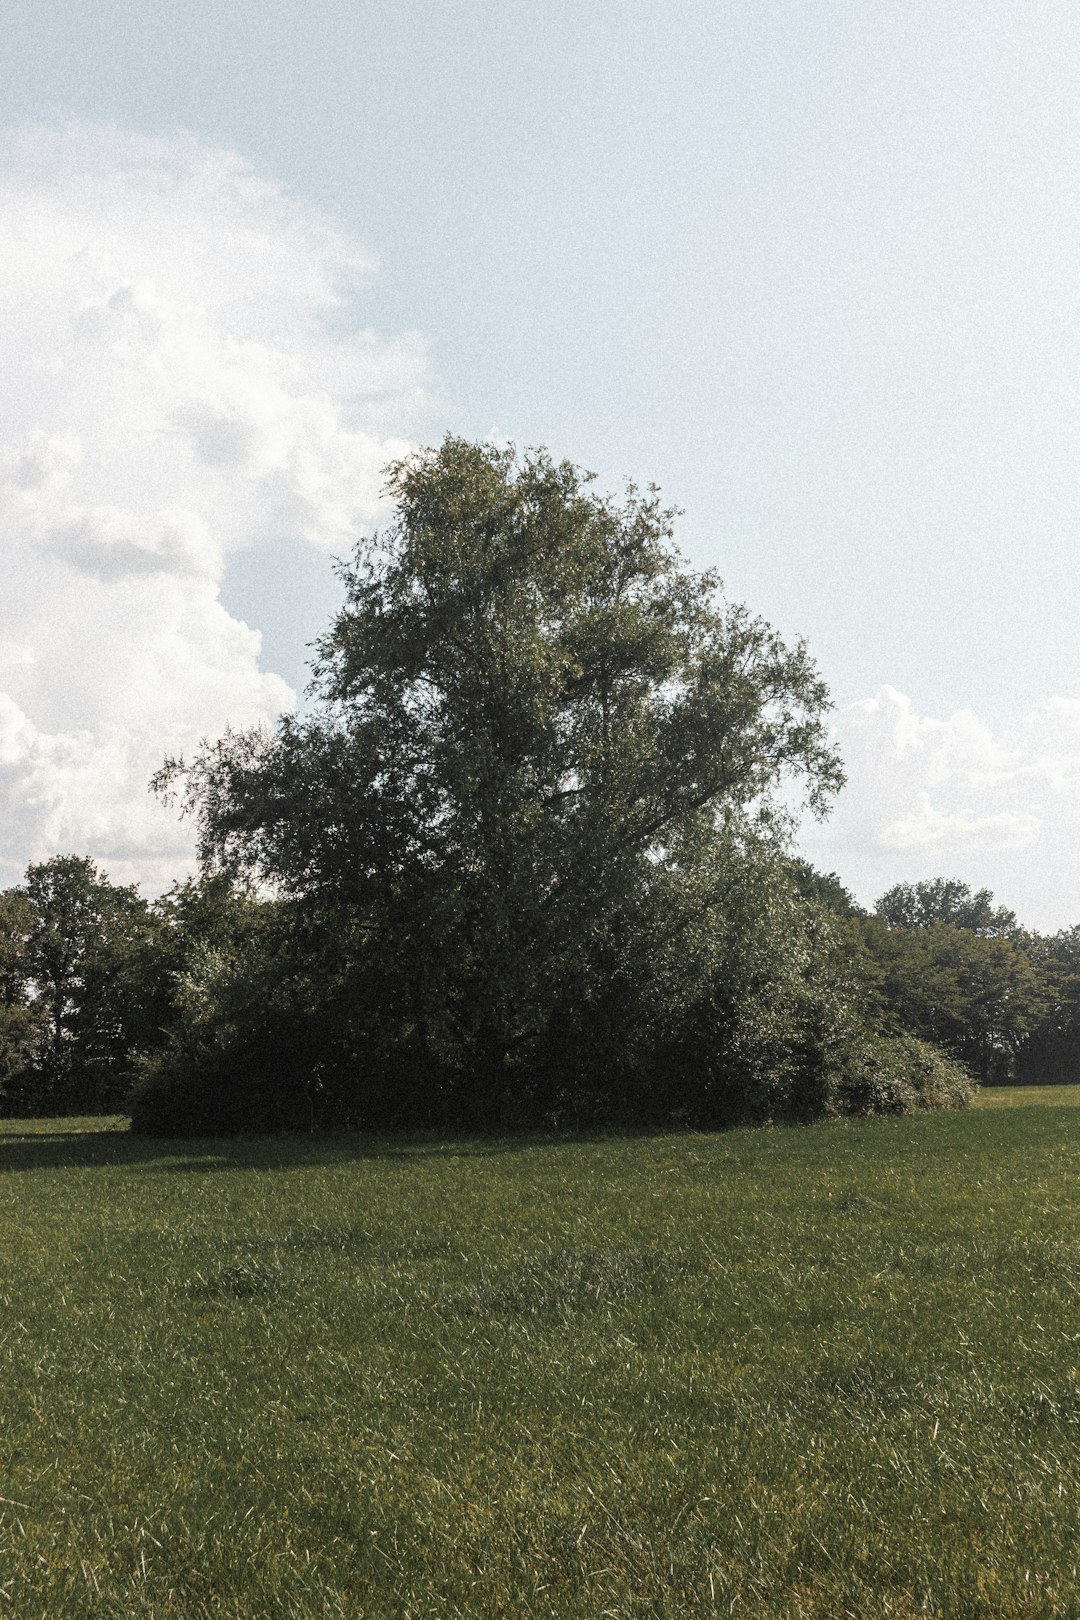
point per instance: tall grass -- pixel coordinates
(807, 1372)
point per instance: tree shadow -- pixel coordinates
(109, 1148)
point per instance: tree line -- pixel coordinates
(949, 965)
(92, 978)
(524, 858)
(103, 992)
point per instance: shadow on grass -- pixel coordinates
(82, 1148)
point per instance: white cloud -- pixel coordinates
(112, 543)
(178, 378)
(929, 796)
(925, 828)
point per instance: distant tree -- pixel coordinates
(529, 828)
(978, 996)
(946, 900)
(18, 1015)
(88, 968)
(1051, 1051)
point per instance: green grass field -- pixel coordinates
(828, 1371)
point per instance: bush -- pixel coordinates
(899, 1074)
(232, 1059)
(762, 1015)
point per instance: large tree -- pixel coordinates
(535, 799)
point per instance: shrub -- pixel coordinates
(233, 1056)
(762, 1014)
(899, 1074)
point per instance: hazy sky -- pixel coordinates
(814, 268)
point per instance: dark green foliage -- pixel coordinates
(946, 900)
(95, 982)
(525, 846)
(19, 1017)
(1051, 1051)
(959, 972)
(270, 1028)
(236, 1051)
(824, 889)
(81, 988)
(900, 1075)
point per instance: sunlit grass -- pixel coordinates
(1027, 1096)
(791, 1373)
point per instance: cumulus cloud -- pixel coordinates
(930, 796)
(179, 377)
(112, 543)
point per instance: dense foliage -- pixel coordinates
(521, 860)
(1050, 1052)
(525, 847)
(80, 981)
(959, 971)
(949, 901)
(92, 979)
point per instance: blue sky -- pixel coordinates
(811, 268)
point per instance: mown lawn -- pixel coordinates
(1027, 1096)
(804, 1372)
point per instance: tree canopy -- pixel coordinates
(523, 857)
(518, 659)
(531, 826)
(979, 997)
(946, 900)
(79, 987)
